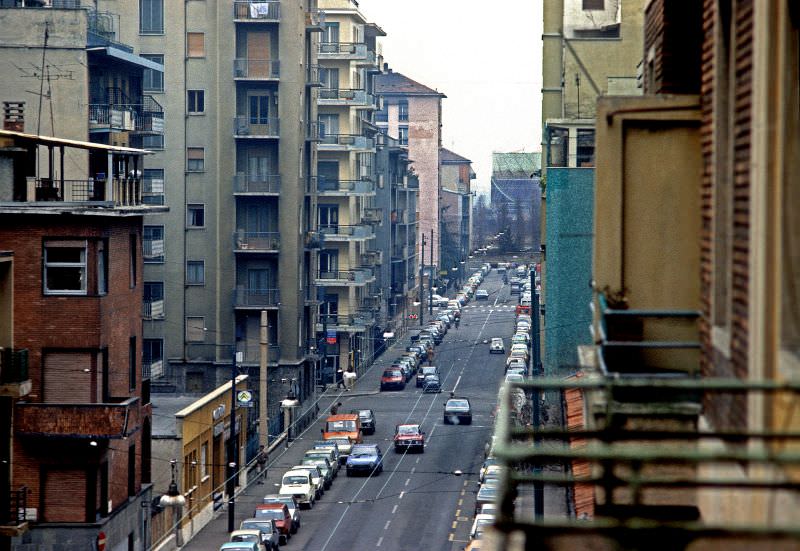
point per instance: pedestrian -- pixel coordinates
(261, 461)
(335, 408)
(340, 378)
(349, 379)
(430, 355)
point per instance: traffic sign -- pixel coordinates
(244, 398)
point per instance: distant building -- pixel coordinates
(455, 214)
(515, 185)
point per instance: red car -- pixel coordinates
(408, 438)
(393, 378)
(279, 512)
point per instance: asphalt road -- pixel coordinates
(417, 502)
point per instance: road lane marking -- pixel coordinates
(457, 381)
(460, 502)
(394, 509)
(408, 481)
(386, 526)
(419, 458)
(401, 494)
(450, 537)
(413, 469)
(380, 541)
(458, 513)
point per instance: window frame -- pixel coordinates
(193, 207)
(202, 161)
(149, 74)
(198, 93)
(195, 263)
(149, 32)
(82, 264)
(401, 139)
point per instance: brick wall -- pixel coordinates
(673, 36)
(86, 323)
(424, 140)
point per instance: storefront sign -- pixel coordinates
(330, 336)
(218, 412)
(244, 398)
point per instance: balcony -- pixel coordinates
(372, 215)
(346, 96)
(256, 242)
(153, 309)
(343, 50)
(256, 184)
(359, 276)
(245, 297)
(346, 323)
(372, 258)
(144, 117)
(329, 187)
(14, 380)
(313, 131)
(251, 353)
(87, 421)
(256, 69)
(119, 191)
(315, 21)
(13, 520)
(152, 369)
(346, 142)
(342, 232)
(249, 127)
(312, 76)
(153, 250)
(370, 61)
(257, 12)
(312, 240)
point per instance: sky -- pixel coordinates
(485, 56)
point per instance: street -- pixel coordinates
(417, 501)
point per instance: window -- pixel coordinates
(152, 80)
(585, 148)
(153, 291)
(203, 461)
(195, 272)
(594, 5)
(329, 78)
(195, 44)
(151, 16)
(153, 186)
(153, 244)
(102, 268)
(328, 263)
(259, 109)
(195, 329)
(331, 33)
(65, 268)
(155, 141)
(402, 111)
(133, 253)
(328, 218)
(196, 101)
(328, 124)
(195, 216)
(195, 159)
(402, 135)
(152, 358)
(132, 364)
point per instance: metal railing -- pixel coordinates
(345, 96)
(257, 241)
(357, 276)
(256, 128)
(252, 352)
(349, 187)
(345, 50)
(313, 131)
(315, 19)
(153, 249)
(244, 297)
(13, 365)
(352, 141)
(313, 76)
(347, 231)
(256, 69)
(257, 11)
(17, 505)
(153, 309)
(123, 191)
(246, 183)
(152, 369)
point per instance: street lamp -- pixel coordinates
(288, 406)
(175, 501)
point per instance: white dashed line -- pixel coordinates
(413, 469)
(401, 494)
(408, 481)
(380, 541)
(386, 526)
(394, 509)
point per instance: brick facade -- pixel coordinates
(672, 38)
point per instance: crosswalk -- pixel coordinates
(486, 307)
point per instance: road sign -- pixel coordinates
(244, 398)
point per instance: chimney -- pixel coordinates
(14, 116)
(386, 68)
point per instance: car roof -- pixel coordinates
(407, 425)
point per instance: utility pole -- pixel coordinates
(421, 280)
(430, 280)
(263, 411)
(232, 448)
(538, 487)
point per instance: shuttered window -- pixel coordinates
(195, 44)
(69, 377)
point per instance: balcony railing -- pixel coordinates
(312, 240)
(372, 215)
(348, 187)
(267, 184)
(313, 131)
(312, 76)
(245, 297)
(359, 276)
(99, 420)
(256, 69)
(153, 309)
(257, 241)
(13, 365)
(347, 141)
(372, 258)
(257, 11)
(345, 96)
(331, 232)
(153, 250)
(17, 505)
(146, 117)
(245, 126)
(342, 50)
(251, 352)
(402, 252)
(152, 369)
(315, 20)
(119, 191)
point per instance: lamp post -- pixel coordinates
(288, 406)
(174, 500)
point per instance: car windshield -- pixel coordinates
(457, 404)
(364, 413)
(269, 513)
(295, 479)
(429, 370)
(407, 430)
(431, 379)
(342, 426)
(392, 373)
(245, 537)
(256, 525)
(288, 501)
(362, 454)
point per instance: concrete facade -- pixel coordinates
(455, 214)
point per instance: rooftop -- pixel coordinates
(448, 156)
(515, 165)
(393, 83)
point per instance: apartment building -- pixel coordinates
(80, 443)
(412, 113)
(516, 195)
(346, 213)
(455, 216)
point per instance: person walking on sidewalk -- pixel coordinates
(335, 408)
(349, 379)
(261, 461)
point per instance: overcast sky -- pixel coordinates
(485, 56)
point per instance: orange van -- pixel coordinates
(343, 425)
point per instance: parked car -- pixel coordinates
(291, 504)
(439, 300)
(516, 363)
(409, 437)
(326, 453)
(266, 526)
(343, 425)
(425, 370)
(365, 458)
(393, 378)
(517, 369)
(241, 546)
(421, 350)
(317, 478)
(486, 494)
(263, 541)
(278, 513)
(298, 485)
(367, 417)
(457, 411)
(479, 524)
(344, 444)
(496, 346)
(329, 445)
(514, 378)
(323, 465)
(431, 384)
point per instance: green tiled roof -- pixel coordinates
(515, 165)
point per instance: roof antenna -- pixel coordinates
(41, 81)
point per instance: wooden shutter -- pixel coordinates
(61, 495)
(195, 44)
(66, 379)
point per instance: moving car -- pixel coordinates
(297, 483)
(497, 346)
(424, 371)
(481, 294)
(269, 541)
(408, 438)
(457, 411)
(365, 458)
(291, 504)
(343, 425)
(278, 513)
(393, 378)
(431, 384)
(367, 417)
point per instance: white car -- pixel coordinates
(297, 483)
(514, 378)
(481, 294)
(480, 523)
(497, 346)
(516, 363)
